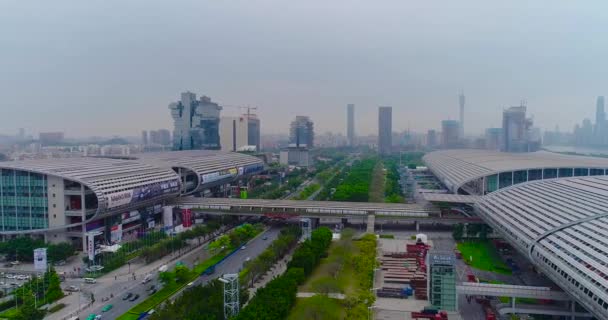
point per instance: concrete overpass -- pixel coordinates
(309, 208)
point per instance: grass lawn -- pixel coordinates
(483, 256)
(346, 281)
(376, 188)
(317, 307)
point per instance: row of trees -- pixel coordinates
(206, 302)
(392, 189)
(276, 299)
(35, 293)
(236, 237)
(179, 241)
(286, 240)
(22, 249)
(355, 186)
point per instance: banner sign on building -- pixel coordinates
(168, 216)
(187, 218)
(91, 247)
(116, 233)
(253, 168)
(143, 193)
(40, 259)
(218, 175)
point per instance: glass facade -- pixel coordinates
(23, 200)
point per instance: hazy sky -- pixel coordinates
(111, 67)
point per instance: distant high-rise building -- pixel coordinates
(21, 134)
(450, 134)
(253, 132)
(385, 130)
(144, 137)
(301, 132)
(431, 138)
(350, 124)
(600, 121)
(461, 100)
(50, 138)
(493, 138)
(196, 123)
(515, 130)
(236, 133)
(160, 137)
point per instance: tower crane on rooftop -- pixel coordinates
(248, 114)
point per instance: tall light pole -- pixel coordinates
(231, 294)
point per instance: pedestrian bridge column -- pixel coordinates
(371, 221)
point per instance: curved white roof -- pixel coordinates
(102, 175)
(562, 225)
(457, 167)
(199, 161)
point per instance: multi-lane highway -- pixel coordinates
(231, 265)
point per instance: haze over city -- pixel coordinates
(111, 68)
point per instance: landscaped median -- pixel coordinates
(230, 244)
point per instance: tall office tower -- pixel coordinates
(236, 133)
(450, 134)
(350, 124)
(144, 137)
(461, 100)
(431, 138)
(385, 130)
(164, 137)
(50, 138)
(515, 130)
(493, 138)
(301, 132)
(196, 123)
(253, 131)
(600, 121)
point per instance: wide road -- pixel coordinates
(231, 265)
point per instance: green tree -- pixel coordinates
(182, 274)
(53, 282)
(166, 277)
(28, 309)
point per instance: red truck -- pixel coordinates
(430, 314)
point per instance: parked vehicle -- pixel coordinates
(134, 297)
(127, 296)
(72, 288)
(90, 280)
(107, 308)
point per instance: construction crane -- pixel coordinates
(249, 114)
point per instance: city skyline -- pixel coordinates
(86, 78)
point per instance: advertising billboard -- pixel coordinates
(253, 168)
(143, 193)
(218, 175)
(168, 216)
(40, 263)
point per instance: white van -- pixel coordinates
(90, 280)
(147, 279)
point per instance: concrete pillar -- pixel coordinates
(344, 221)
(573, 309)
(417, 225)
(371, 221)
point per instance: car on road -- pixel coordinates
(243, 247)
(265, 238)
(92, 316)
(134, 297)
(72, 288)
(151, 292)
(107, 308)
(98, 317)
(10, 276)
(21, 277)
(247, 259)
(127, 296)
